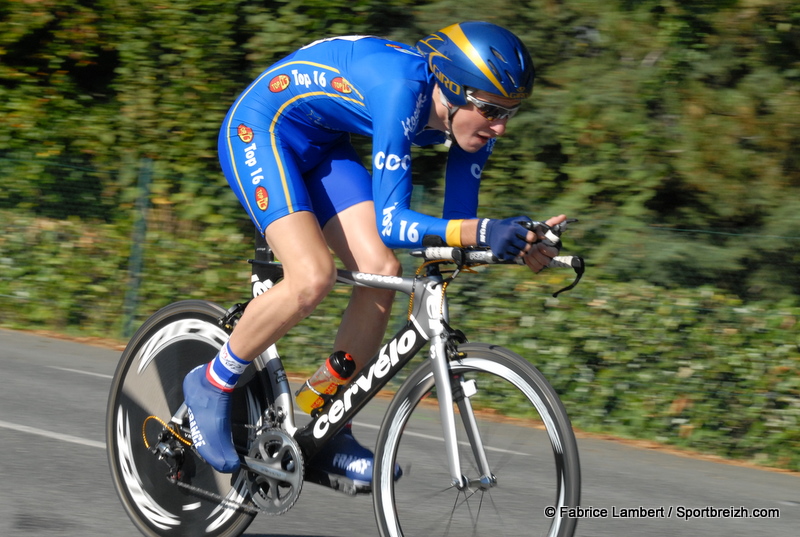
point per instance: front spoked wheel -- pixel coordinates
(146, 391)
(528, 440)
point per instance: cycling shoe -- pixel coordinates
(210, 421)
(345, 465)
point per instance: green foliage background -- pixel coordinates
(670, 127)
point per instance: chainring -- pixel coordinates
(274, 471)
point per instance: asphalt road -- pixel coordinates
(54, 477)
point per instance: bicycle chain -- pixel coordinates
(224, 502)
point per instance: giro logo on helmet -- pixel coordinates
(519, 94)
(451, 86)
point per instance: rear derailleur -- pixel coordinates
(171, 450)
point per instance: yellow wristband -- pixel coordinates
(453, 234)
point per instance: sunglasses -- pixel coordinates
(492, 111)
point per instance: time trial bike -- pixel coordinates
(466, 470)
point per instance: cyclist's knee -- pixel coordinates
(311, 287)
(393, 266)
(387, 264)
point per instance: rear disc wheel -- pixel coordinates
(149, 382)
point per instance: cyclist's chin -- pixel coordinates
(473, 143)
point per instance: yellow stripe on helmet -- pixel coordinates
(456, 34)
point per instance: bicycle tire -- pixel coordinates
(539, 469)
(149, 382)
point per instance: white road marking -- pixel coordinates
(81, 372)
(51, 435)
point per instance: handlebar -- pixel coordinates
(465, 257)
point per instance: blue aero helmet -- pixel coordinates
(480, 56)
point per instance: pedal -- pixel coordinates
(337, 482)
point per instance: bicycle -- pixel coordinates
(471, 485)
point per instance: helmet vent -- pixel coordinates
(494, 69)
(498, 55)
(512, 79)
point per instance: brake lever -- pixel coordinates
(552, 237)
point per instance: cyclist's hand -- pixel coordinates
(542, 252)
(507, 238)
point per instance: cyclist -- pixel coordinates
(286, 152)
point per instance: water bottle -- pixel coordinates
(323, 384)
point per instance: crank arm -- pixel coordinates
(257, 466)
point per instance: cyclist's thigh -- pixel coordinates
(262, 172)
(338, 182)
(354, 237)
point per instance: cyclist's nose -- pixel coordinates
(499, 127)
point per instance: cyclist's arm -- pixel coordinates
(462, 184)
(392, 106)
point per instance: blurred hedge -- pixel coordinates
(697, 368)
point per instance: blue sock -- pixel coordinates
(224, 370)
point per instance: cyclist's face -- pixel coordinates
(471, 129)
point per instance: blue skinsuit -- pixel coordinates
(285, 143)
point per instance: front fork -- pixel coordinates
(454, 389)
